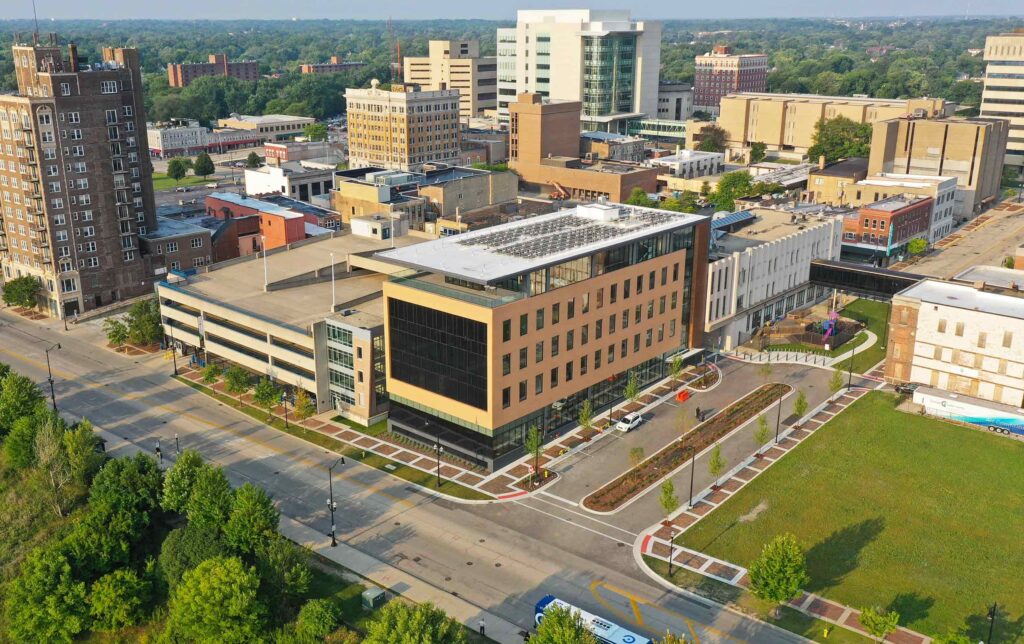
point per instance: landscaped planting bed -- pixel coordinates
(638, 479)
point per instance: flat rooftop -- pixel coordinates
(992, 276)
(267, 119)
(902, 180)
(894, 203)
(263, 205)
(298, 206)
(820, 98)
(609, 136)
(767, 226)
(167, 228)
(492, 254)
(844, 168)
(1006, 303)
(239, 285)
(686, 155)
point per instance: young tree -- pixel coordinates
(636, 457)
(253, 520)
(21, 292)
(203, 165)
(765, 371)
(836, 382)
(177, 168)
(762, 433)
(675, 369)
(780, 572)
(315, 132)
(116, 331)
(712, 138)
(879, 623)
(217, 602)
(840, 138)
(209, 505)
(632, 391)
(20, 444)
(84, 457)
(53, 469)
(45, 603)
(118, 599)
(917, 246)
(185, 548)
(669, 638)
(534, 446)
(19, 397)
(758, 151)
(561, 626)
(143, 321)
(211, 373)
(668, 499)
(317, 619)
(253, 160)
(423, 623)
(586, 416)
(638, 197)
(179, 480)
(267, 395)
(304, 407)
(284, 576)
(716, 463)
(237, 381)
(800, 404)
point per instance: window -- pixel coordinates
(586, 303)
(614, 293)
(625, 319)
(611, 323)
(554, 312)
(982, 339)
(570, 310)
(172, 247)
(569, 343)
(960, 329)
(538, 383)
(611, 353)
(554, 346)
(524, 324)
(506, 398)
(506, 330)
(568, 372)
(583, 366)
(506, 364)
(942, 326)
(636, 343)
(625, 289)
(197, 242)
(1007, 339)
(597, 359)
(539, 352)
(108, 87)
(600, 297)
(584, 334)
(522, 358)
(598, 328)
(522, 390)
(554, 377)
(540, 319)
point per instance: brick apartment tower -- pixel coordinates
(182, 74)
(77, 182)
(721, 72)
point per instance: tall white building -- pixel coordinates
(603, 59)
(759, 272)
(1004, 90)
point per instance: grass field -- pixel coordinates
(162, 182)
(876, 316)
(895, 510)
(854, 342)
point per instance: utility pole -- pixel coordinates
(331, 505)
(49, 375)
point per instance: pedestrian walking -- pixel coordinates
(696, 413)
(483, 626)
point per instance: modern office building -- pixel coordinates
(720, 72)
(77, 184)
(544, 148)
(308, 316)
(603, 59)
(457, 64)
(1003, 96)
(759, 269)
(964, 337)
(333, 66)
(401, 128)
(182, 74)
(300, 180)
(690, 164)
(881, 230)
(269, 127)
(970, 149)
(492, 331)
(785, 123)
(675, 102)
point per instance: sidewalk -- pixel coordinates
(800, 357)
(657, 541)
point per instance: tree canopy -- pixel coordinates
(840, 138)
(560, 625)
(21, 291)
(217, 602)
(401, 623)
(779, 573)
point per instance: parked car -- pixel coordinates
(183, 189)
(907, 388)
(629, 422)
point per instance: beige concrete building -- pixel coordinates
(297, 325)
(544, 145)
(785, 123)
(604, 59)
(76, 178)
(965, 337)
(457, 64)
(401, 128)
(494, 330)
(269, 127)
(971, 150)
(1004, 90)
(333, 66)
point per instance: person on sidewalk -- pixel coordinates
(483, 626)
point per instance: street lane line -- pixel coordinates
(588, 517)
(641, 600)
(572, 523)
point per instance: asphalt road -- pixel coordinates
(987, 245)
(502, 557)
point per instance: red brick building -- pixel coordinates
(720, 72)
(182, 74)
(884, 228)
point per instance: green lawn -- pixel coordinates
(854, 342)
(162, 182)
(876, 316)
(895, 510)
(376, 429)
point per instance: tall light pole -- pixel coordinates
(438, 449)
(331, 505)
(991, 621)
(671, 547)
(49, 375)
(174, 356)
(333, 300)
(693, 460)
(266, 279)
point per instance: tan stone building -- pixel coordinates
(544, 148)
(785, 123)
(457, 64)
(970, 149)
(77, 185)
(333, 66)
(494, 330)
(401, 128)
(1004, 90)
(268, 127)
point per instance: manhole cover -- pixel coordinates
(482, 540)
(397, 523)
(447, 578)
(497, 565)
(469, 563)
(620, 544)
(416, 559)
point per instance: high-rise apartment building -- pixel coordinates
(457, 64)
(77, 184)
(401, 128)
(603, 59)
(720, 72)
(1004, 90)
(493, 331)
(970, 149)
(182, 74)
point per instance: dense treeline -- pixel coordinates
(924, 57)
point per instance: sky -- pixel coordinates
(499, 9)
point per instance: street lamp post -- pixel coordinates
(693, 460)
(159, 452)
(439, 450)
(177, 446)
(333, 301)
(174, 355)
(778, 419)
(49, 375)
(331, 505)
(284, 400)
(671, 547)
(991, 621)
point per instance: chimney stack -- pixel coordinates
(821, 162)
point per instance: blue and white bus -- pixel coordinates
(605, 631)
